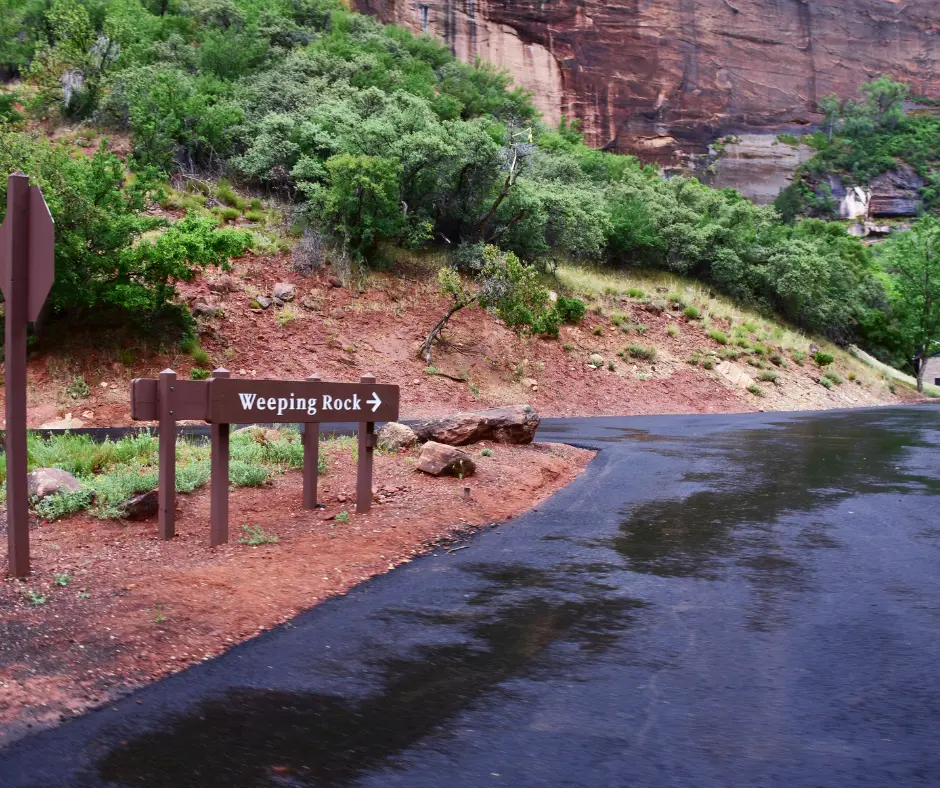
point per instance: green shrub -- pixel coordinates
(256, 536)
(635, 292)
(692, 312)
(642, 352)
(245, 474)
(192, 346)
(672, 330)
(823, 359)
(798, 356)
(708, 362)
(834, 376)
(719, 336)
(111, 256)
(598, 331)
(756, 390)
(55, 507)
(198, 373)
(570, 310)
(826, 383)
(778, 360)
(78, 389)
(768, 376)
(640, 329)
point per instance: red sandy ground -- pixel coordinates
(138, 608)
(378, 329)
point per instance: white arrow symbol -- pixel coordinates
(374, 402)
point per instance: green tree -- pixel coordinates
(912, 260)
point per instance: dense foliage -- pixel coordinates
(383, 137)
(108, 256)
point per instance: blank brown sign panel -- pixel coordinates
(240, 401)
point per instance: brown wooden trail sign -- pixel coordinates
(27, 270)
(223, 401)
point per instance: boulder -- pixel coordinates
(438, 460)
(263, 302)
(595, 360)
(284, 291)
(512, 424)
(224, 284)
(142, 506)
(394, 436)
(334, 281)
(203, 309)
(337, 314)
(44, 482)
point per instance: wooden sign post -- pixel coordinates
(27, 269)
(223, 401)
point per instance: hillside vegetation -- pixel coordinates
(369, 139)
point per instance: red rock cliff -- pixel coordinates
(662, 76)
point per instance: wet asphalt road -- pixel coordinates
(719, 601)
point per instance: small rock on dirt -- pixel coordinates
(44, 482)
(264, 302)
(224, 284)
(334, 281)
(337, 314)
(394, 436)
(309, 304)
(68, 423)
(284, 291)
(141, 507)
(512, 424)
(438, 459)
(596, 359)
(202, 309)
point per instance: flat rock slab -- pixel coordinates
(512, 424)
(440, 460)
(734, 374)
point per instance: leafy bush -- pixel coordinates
(756, 390)
(198, 373)
(822, 358)
(825, 382)
(642, 352)
(768, 376)
(63, 504)
(570, 310)
(719, 336)
(107, 255)
(692, 312)
(245, 474)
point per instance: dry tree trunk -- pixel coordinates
(435, 332)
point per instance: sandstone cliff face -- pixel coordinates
(662, 78)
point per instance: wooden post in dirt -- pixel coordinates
(166, 525)
(218, 506)
(311, 457)
(364, 467)
(27, 269)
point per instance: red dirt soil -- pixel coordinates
(137, 608)
(346, 332)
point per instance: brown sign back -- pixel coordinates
(240, 401)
